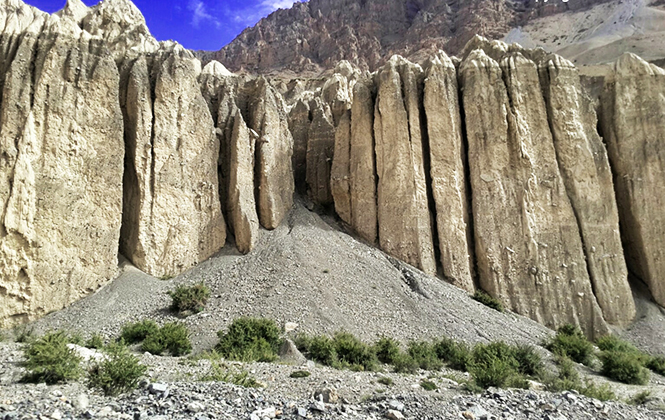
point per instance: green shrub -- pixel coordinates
(404, 363)
(191, 299)
(456, 354)
(299, 374)
(528, 360)
(138, 331)
(568, 379)
(387, 350)
(428, 385)
(488, 300)
(220, 372)
(250, 339)
(351, 352)
(494, 365)
(570, 342)
(48, 359)
(640, 398)
(614, 343)
(322, 350)
(118, 372)
(172, 337)
(425, 355)
(626, 367)
(657, 364)
(95, 341)
(591, 390)
(76, 338)
(384, 380)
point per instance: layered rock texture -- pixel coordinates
(317, 34)
(493, 170)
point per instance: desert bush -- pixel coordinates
(351, 352)
(384, 380)
(95, 341)
(220, 372)
(488, 300)
(656, 364)
(172, 337)
(568, 379)
(138, 331)
(640, 398)
(614, 343)
(48, 359)
(495, 365)
(192, 299)
(570, 342)
(404, 363)
(322, 350)
(250, 339)
(425, 355)
(457, 355)
(529, 362)
(626, 367)
(387, 350)
(118, 372)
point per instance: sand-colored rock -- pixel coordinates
(528, 247)
(405, 228)
(586, 173)
(184, 224)
(320, 149)
(633, 124)
(362, 162)
(447, 160)
(274, 169)
(59, 231)
(243, 219)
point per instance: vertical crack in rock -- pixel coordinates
(632, 119)
(405, 229)
(447, 171)
(320, 149)
(586, 173)
(300, 119)
(528, 244)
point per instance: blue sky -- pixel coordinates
(196, 24)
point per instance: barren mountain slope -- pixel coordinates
(315, 35)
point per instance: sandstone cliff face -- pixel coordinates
(448, 174)
(405, 225)
(634, 129)
(587, 176)
(174, 211)
(61, 127)
(528, 245)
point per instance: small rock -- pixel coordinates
(319, 406)
(56, 415)
(394, 415)
(290, 326)
(302, 412)
(327, 395)
(467, 415)
(195, 407)
(270, 413)
(479, 413)
(396, 405)
(157, 388)
(105, 412)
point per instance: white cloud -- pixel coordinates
(251, 15)
(200, 14)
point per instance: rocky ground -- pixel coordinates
(294, 276)
(173, 390)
